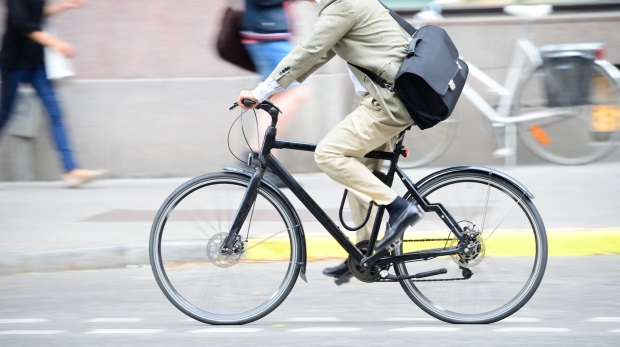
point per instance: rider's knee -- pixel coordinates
(322, 156)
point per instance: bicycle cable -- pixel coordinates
(243, 132)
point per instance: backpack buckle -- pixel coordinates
(389, 87)
(451, 85)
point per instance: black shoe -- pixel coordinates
(336, 270)
(341, 273)
(400, 218)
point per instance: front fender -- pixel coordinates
(476, 169)
(300, 229)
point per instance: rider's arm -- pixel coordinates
(334, 21)
(267, 89)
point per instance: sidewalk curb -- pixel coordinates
(74, 259)
(561, 243)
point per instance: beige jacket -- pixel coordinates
(361, 32)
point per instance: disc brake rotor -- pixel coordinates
(215, 255)
(474, 251)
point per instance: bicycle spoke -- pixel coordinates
(220, 287)
(505, 259)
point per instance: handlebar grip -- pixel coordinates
(246, 102)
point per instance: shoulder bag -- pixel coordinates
(432, 76)
(228, 43)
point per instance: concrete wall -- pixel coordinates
(151, 98)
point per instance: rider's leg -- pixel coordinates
(339, 155)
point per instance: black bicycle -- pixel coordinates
(227, 247)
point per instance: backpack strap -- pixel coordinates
(403, 23)
(373, 76)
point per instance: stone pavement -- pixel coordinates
(46, 227)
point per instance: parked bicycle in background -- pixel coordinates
(564, 105)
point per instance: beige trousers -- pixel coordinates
(340, 154)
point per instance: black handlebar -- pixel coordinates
(265, 106)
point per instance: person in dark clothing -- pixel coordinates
(266, 30)
(22, 61)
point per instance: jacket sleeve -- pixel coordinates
(20, 17)
(334, 21)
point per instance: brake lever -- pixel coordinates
(246, 102)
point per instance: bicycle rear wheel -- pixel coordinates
(509, 257)
(225, 289)
(426, 146)
(585, 103)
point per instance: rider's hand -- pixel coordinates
(246, 94)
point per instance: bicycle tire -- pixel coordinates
(571, 137)
(220, 289)
(426, 146)
(512, 254)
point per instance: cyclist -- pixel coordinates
(363, 33)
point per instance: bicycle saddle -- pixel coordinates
(529, 11)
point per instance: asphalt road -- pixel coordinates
(576, 305)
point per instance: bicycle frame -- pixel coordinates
(267, 160)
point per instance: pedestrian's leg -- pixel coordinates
(73, 175)
(10, 83)
(45, 90)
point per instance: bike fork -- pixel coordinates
(247, 202)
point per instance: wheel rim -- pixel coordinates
(513, 261)
(220, 289)
(580, 133)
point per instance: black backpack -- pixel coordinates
(431, 78)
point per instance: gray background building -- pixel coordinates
(151, 96)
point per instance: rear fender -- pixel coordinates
(476, 169)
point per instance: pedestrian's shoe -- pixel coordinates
(78, 177)
(400, 219)
(341, 273)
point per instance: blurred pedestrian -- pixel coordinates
(22, 61)
(266, 31)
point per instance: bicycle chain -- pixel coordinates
(466, 276)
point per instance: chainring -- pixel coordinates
(364, 275)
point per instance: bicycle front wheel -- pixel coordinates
(582, 102)
(508, 257)
(219, 288)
